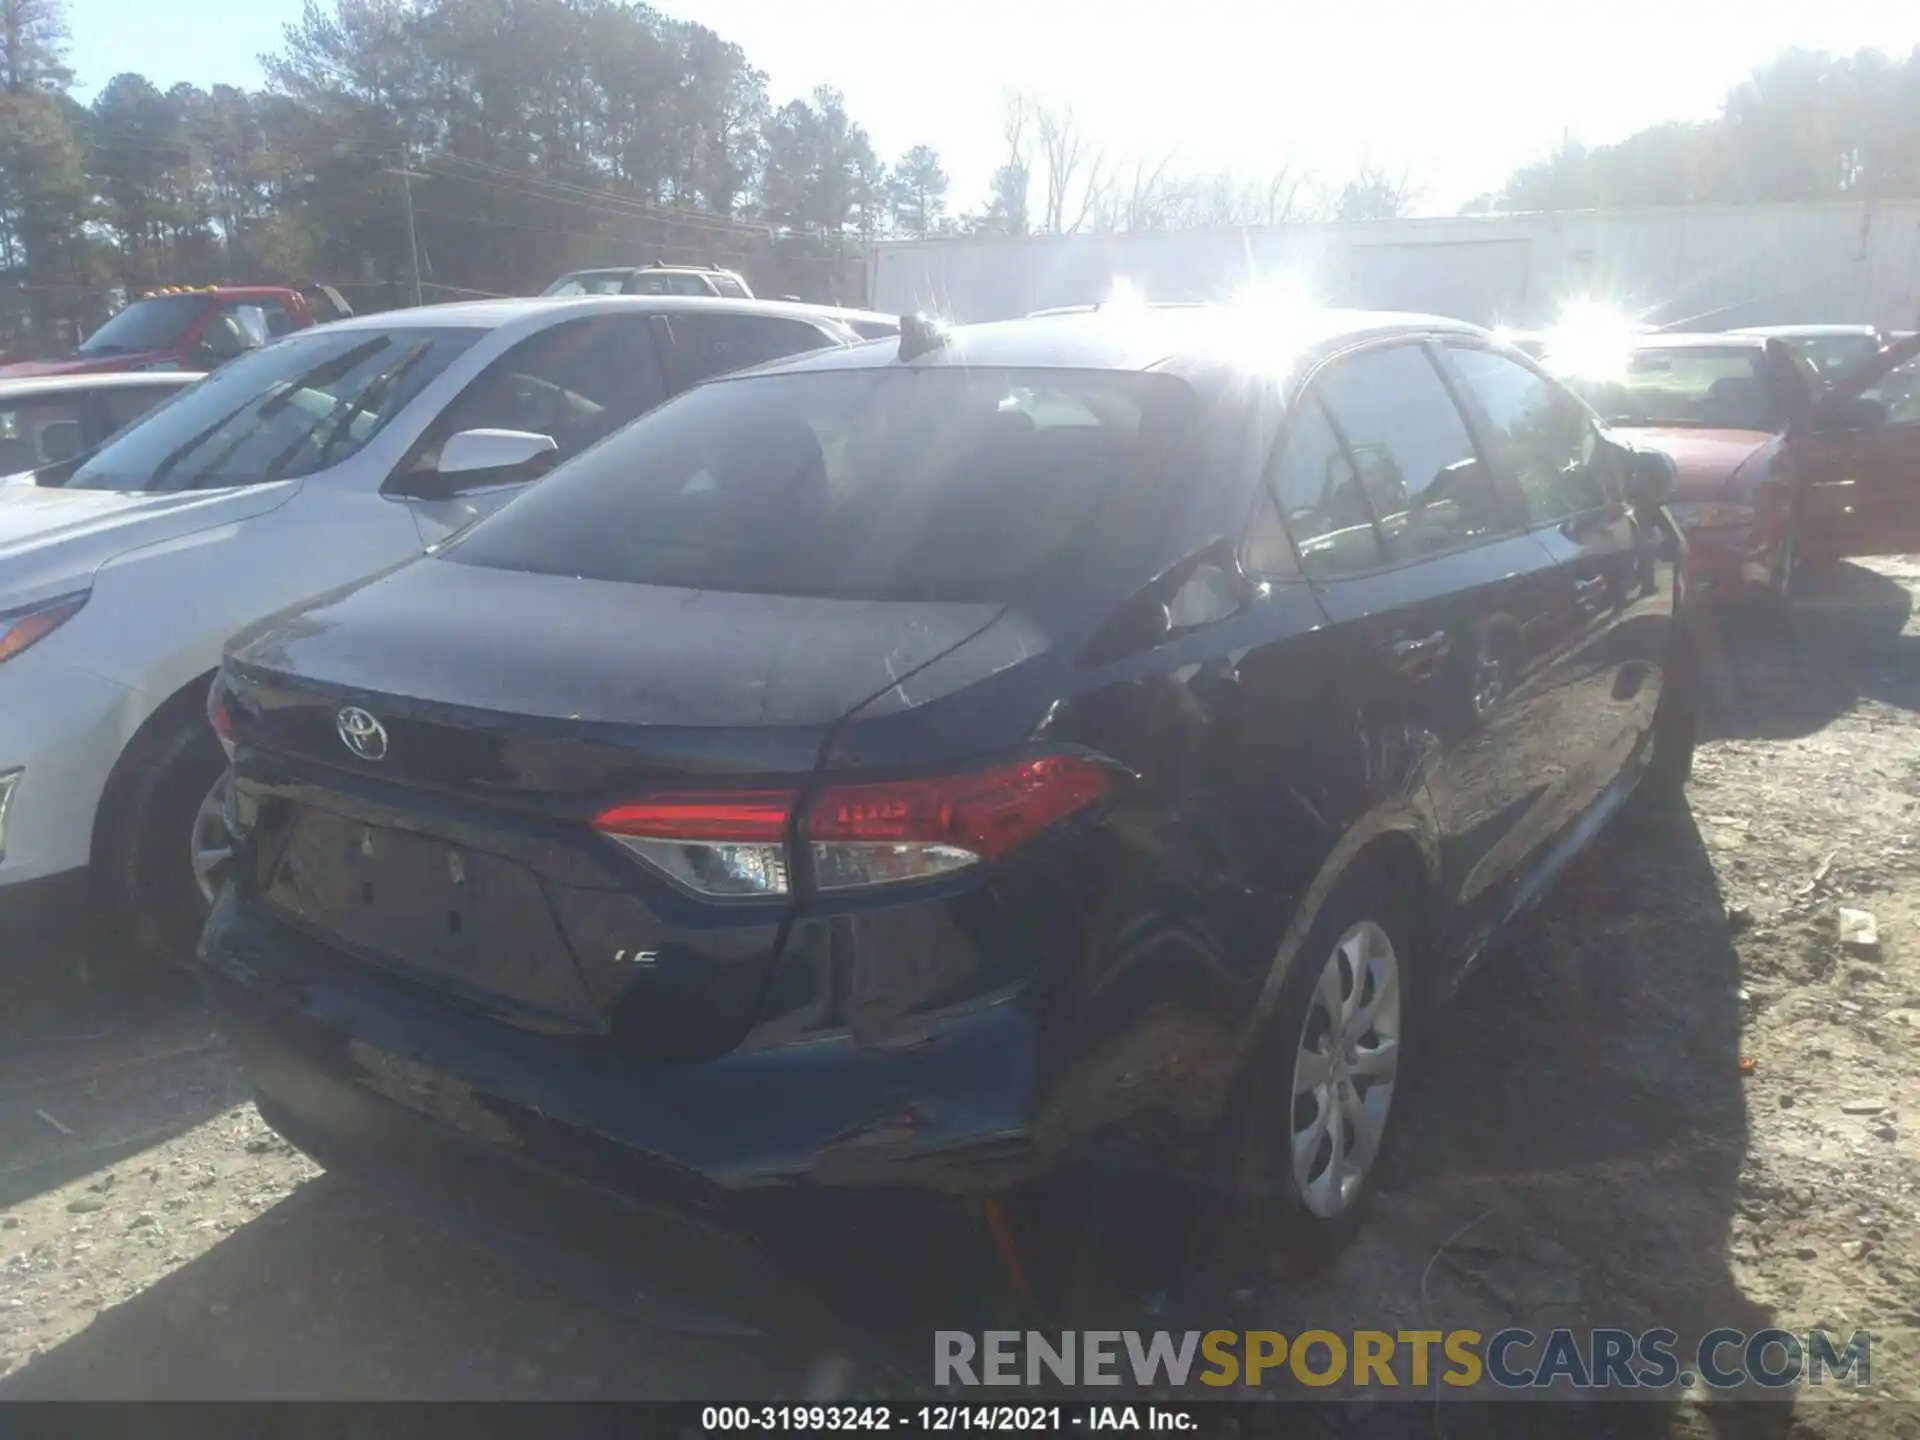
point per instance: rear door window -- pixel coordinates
(698, 347)
(1318, 491)
(955, 484)
(1417, 465)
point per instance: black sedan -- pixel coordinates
(928, 766)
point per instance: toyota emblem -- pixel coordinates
(361, 733)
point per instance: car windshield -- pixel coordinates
(297, 406)
(157, 324)
(1834, 355)
(589, 282)
(939, 484)
(1722, 389)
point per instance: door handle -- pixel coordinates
(1435, 645)
(1590, 589)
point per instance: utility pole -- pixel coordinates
(413, 244)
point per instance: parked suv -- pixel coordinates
(654, 279)
(923, 767)
(307, 464)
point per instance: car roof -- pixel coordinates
(1808, 332)
(652, 270)
(1142, 338)
(492, 314)
(98, 380)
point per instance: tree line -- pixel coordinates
(517, 136)
(522, 137)
(1803, 126)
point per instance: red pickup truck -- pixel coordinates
(183, 329)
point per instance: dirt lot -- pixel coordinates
(1592, 1148)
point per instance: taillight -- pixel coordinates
(877, 834)
(733, 844)
(730, 843)
(219, 716)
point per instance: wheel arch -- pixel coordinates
(137, 751)
(1402, 850)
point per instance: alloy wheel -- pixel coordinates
(1344, 1070)
(212, 841)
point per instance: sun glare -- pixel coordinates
(1592, 340)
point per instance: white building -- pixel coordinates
(1708, 267)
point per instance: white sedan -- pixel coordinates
(335, 453)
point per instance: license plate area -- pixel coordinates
(447, 914)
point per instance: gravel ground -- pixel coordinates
(1685, 1098)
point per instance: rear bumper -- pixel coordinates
(720, 1158)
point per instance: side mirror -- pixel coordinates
(475, 459)
(1650, 481)
(1855, 413)
(472, 451)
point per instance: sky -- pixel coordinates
(1455, 95)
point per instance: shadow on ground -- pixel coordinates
(1773, 677)
(328, 1296)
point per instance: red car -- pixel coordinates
(195, 330)
(1775, 466)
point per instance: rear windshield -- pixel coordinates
(1730, 389)
(589, 282)
(297, 406)
(936, 484)
(156, 324)
(666, 282)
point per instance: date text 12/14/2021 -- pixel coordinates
(922, 1419)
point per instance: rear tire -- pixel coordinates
(1312, 1118)
(1676, 726)
(154, 817)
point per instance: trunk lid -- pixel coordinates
(512, 708)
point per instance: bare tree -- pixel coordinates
(1281, 193)
(1375, 193)
(1065, 150)
(1151, 199)
(1007, 209)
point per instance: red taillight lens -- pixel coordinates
(987, 812)
(876, 834)
(733, 843)
(748, 815)
(219, 716)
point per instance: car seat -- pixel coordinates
(1735, 402)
